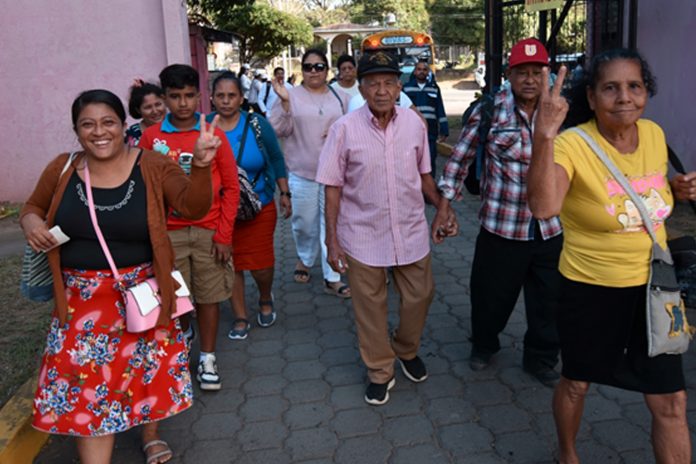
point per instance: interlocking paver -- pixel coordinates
(308, 415)
(364, 450)
(311, 444)
(465, 439)
(262, 435)
(505, 418)
(263, 408)
(408, 430)
(306, 391)
(293, 393)
(522, 447)
(355, 422)
(427, 453)
(216, 425)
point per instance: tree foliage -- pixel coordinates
(458, 22)
(265, 31)
(410, 14)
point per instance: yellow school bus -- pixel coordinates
(408, 46)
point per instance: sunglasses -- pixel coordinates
(318, 67)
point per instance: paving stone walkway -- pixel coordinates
(293, 393)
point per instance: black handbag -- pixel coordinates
(684, 249)
(249, 201)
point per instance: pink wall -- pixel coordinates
(54, 49)
(666, 37)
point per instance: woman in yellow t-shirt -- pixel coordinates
(606, 249)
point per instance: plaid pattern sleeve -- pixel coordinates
(451, 182)
(504, 208)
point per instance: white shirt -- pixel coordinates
(272, 96)
(246, 85)
(255, 90)
(352, 91)
(358, 101)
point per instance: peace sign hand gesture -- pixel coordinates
(552, 108)
(207, 143)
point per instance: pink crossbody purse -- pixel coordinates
(143, 301)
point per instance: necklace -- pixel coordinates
(319, 105)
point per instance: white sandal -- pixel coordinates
(155, 457)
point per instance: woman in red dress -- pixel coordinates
(97, 379)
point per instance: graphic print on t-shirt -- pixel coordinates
(625, 211)
(184, 159)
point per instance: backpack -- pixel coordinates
(472, 182)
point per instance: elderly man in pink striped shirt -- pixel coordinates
(375, 166)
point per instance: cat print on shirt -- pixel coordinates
(657, 207)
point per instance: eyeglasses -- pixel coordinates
(318, 67)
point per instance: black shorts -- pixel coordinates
(603, 338)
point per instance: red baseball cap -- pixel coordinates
(528, 51)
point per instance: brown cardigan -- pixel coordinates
(166, 184)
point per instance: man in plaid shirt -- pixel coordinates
(513, 250)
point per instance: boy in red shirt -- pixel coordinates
(203, 247)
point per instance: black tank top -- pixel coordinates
(122, 217)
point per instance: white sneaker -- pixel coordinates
(208, 374)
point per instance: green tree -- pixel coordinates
(265, 31)
(458, 22)
(410, 14)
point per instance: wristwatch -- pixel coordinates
(285, 194)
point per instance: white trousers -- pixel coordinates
(308, 224)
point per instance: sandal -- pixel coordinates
(301, 276)
(157, 457)
(239, 334)
(338, 289)
(266, 320)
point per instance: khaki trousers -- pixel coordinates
(414, 284)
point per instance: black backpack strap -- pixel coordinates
(487, 108)
(679, 167)
(340, 102)
(244, 136)
(268, 92)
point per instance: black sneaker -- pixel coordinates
(478, 360)
(414, 369)
(544, 374)
(378, 393)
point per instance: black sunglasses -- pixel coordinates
(318, 67)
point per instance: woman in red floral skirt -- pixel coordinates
(97, 379)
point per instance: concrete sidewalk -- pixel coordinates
(293, 393)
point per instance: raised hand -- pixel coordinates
(207, 143)
(552, 107)
(280, 90)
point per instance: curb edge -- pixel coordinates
(19, 441)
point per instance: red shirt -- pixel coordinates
(164, 138)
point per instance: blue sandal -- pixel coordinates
(239, 334)
(266, 320)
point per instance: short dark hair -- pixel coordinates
(579, 108)
(279, 68)
(227, 76)
(89, 97)
(138, 94)
(315, 51)
(178, 76)
(345, 59)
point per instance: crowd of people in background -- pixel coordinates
(352, 165)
